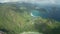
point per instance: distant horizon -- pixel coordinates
(33, 1)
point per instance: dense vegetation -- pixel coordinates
(15, 20)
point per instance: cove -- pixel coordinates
(36, 13)
(49, 13)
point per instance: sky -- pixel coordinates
(33, 1)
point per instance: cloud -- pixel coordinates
(33, 1)
(9, 0)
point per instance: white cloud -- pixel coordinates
(13, 0)
(9, 0)
(52, 1)
(33, 1)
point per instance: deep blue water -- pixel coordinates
(53, 13)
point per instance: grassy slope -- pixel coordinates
(11, 20)
(15, 22)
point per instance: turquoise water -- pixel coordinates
(36, 13)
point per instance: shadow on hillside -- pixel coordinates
(44, 28)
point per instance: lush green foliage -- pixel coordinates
(16, 21)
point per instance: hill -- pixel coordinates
(15, 20)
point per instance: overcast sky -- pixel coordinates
(33, 1)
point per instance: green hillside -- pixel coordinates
(17, 20)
